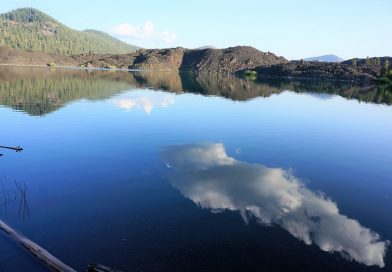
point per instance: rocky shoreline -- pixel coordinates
(230, 60)
(360, 73)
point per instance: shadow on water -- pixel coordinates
(39, 91)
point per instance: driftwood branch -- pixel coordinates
(52, 262)
(17, 149)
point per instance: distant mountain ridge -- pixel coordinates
(32, 30)
(325, 58)
(206, 47)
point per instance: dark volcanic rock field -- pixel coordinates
(229, 60)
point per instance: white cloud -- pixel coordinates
(211, 179)
(145, 31)
(169, 37)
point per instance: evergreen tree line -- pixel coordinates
(382, 63)
(31, 30)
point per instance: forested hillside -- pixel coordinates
(32, 30)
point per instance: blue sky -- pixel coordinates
(293, 29)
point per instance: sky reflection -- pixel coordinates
(147, 101)
(205, 174)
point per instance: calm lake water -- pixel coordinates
(179, 172)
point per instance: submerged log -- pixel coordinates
(52, 262)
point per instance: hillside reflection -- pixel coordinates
(205, 174)
(38, 91)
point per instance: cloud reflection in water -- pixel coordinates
(147, 102)
(205, 174)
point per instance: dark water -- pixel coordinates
(169, 172)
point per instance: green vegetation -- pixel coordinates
(355, 62)
(52, 64)
(386, 67)
(386, 81)
(111, 67)
(386, 64)
(249, 74)
(32, 30)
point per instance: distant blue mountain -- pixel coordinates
(325, 58)
(206, 47)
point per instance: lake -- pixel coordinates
(147, 171)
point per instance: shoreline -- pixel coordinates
(232, 60)
(70, 67)
(238, 74)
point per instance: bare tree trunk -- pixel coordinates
(52, 262)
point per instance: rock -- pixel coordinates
(227, 60)
(318, 70)
(158, 59)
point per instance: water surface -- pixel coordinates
(181, 172)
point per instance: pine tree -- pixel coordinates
(29, 29)
(354, 62)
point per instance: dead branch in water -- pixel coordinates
(17, 149)
(52, 262)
